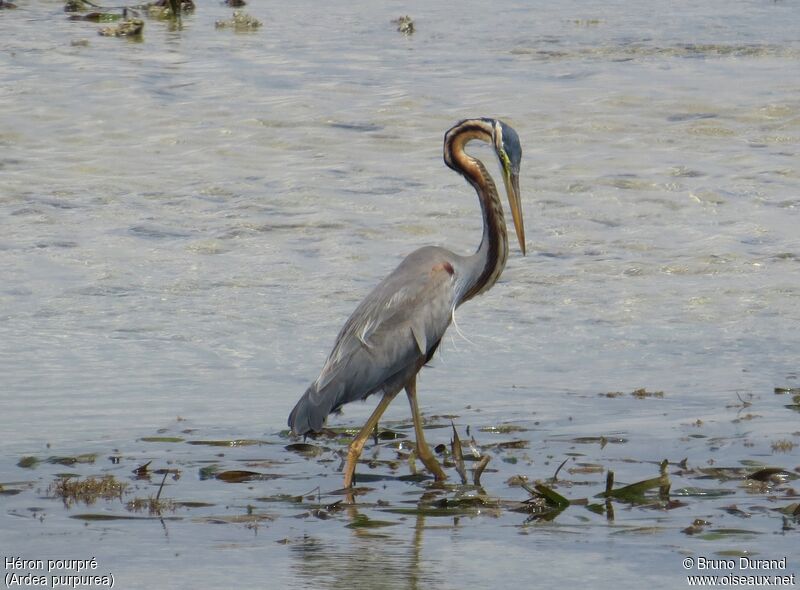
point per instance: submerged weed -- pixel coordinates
(88, 490)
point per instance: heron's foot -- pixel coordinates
(353, 453)
(431, 464)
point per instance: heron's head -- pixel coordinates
(509, 153)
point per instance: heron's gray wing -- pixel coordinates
(403, 318)
(386, 338)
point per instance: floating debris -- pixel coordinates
(478, 471)
(241, 475)
(85, 458)
(250, 520)
(143, 471)
(736, 511)
(550, 496)
(105, 516)
(306, 449)
(783, 445)
(361, 521)
(643, 393)
(169, 9)
(181, 5)
(128, 28)
(239, 442)
(772, 475)
(6, 5)
(585, 468)
(789, 390)
(390, 435)
(153, 505)
(4, 491)
(722, 534)
(612, 394)
(76, 6)
(28, 462)
(791, 510)
(458, 456)
(241, 21)
(208, 472)
(503, 429)
(235, 3)
(404, 25)
(97, 17)
(587, 22)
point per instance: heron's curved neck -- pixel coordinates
(485, 266)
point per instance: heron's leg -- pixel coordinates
(423, 450)
(354, 452)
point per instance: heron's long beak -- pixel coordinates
(512, 188)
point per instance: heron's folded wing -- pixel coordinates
(401, 320)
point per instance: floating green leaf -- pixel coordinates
(361, 521)
(241, 475)
(549, 495)
(635, 491)
(718, 534)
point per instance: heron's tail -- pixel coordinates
(313, 408)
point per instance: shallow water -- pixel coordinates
(186, 221)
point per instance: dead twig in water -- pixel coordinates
(458, 456)
(476, 475)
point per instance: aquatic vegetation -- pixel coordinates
(404, 25)
(242, 475)
(72, 460)
(164, 439)
(240, 22)
(783, 445)
(28, 462)
(88, 490)
(643, 393)
(227, 443)
(152, 505)
(96, 17)
(169, 8)
(129, 28)
(573, 482)
(76, 5)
